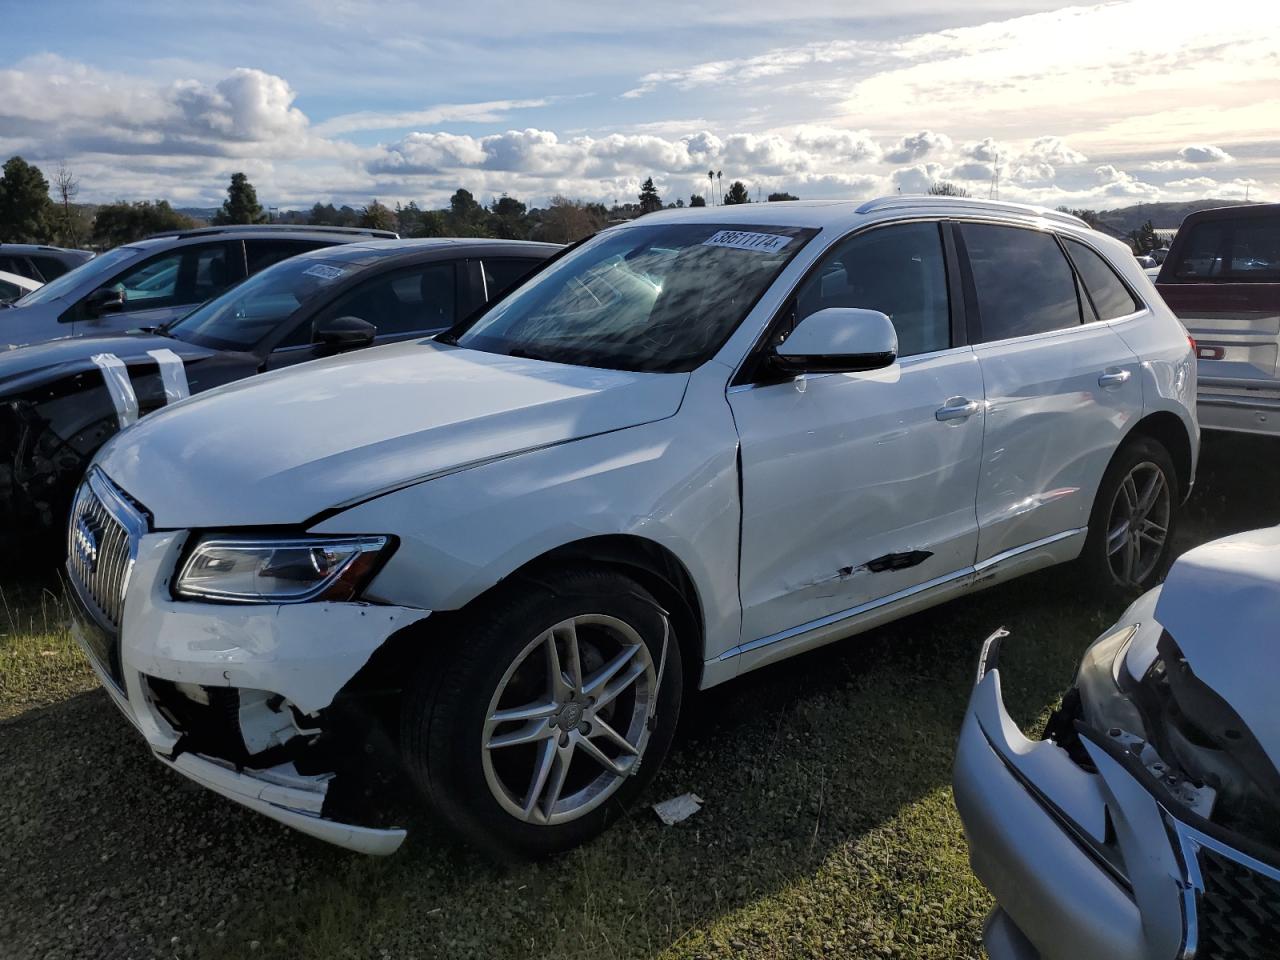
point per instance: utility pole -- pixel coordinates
(994, 192)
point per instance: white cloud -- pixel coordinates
(484, 112)
(917, 178)
(1204, 153)
(917, 146)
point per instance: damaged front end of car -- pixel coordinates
(1168, 803)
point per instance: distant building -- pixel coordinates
(1164, 234)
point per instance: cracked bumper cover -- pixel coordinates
(304, 652)
(1030, 815)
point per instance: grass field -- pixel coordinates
(828, 828)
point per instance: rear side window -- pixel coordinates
(1022, 283)
(501, 275)
(261, 254)
(19, 265)
(898, 270)
(1240, 250)
(50, 268)
(1111, 298)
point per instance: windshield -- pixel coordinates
(661, 298)
(246, 313)
(97, 269)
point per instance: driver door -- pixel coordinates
(860, 487)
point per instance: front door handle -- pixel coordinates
(1113, 378)
(958, 408)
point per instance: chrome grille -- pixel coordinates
(102, 540)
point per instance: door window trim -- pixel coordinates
(745, 374)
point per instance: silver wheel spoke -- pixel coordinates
(568, 632)
(1149, 495)
(597, 681)
(598, 726)
(531, 732)
(530, 711)
(1117, 538)
(542, 770)
(610, 692)
(555, 783)
(558, 686)
(600, 757)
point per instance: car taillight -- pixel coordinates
(1191, 340)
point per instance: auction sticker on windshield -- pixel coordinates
(323, 271)
(743, 240)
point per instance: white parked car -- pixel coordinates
(696, 444)
(13, 286)
(1145, 825)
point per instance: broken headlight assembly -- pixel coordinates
(288, 570)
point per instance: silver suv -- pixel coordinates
(153, 281)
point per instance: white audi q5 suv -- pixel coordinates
(693, 445)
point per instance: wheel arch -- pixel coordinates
(1169, 431)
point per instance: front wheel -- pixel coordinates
(1131, 529)
(555, 712)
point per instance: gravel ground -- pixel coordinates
(828, 828)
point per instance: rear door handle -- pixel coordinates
(958, 408)
(1113, 378)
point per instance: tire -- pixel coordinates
(1108, 550)
(503, 663)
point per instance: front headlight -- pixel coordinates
(295, 570)
(1103, 700)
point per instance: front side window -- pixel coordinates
(189, 274)
(898, 270)
(1239, 250)
(9, 291)
(501, 274)
(413, 300)
(1022, 283)
(1110, 297)
(657, 298)
(247, 313)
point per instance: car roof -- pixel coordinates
(42, 248)
(412, 249)
(850, 213)
(1244, 211)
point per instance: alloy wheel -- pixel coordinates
(569, 720)
(1138, 528)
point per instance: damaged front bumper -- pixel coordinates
(285, 665)
(1081, 863)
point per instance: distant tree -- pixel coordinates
(568, 220)
(1088, 216)
(466, 217)
(649, 199)
(432, 223)
(720, 184)
(26, 212)
(377, 216)
(775, 197)
(711, 182)
(737, 193)
(509, 219)
(241, 205)
(697, 201)
(117, 223)
(323, 215)
(679, 202)
(347, 216)
(67, 188)
(945, 188)
(1144, 240)
(408, 219)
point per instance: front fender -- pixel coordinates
(673, 482)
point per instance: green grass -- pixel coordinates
(39, 662)
(828, 827)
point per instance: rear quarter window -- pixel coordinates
(1111, 298)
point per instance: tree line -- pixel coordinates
(32, 210)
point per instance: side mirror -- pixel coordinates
(838, 340)
(104, 300)
(343, 333)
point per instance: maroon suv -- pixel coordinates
(1222, 279)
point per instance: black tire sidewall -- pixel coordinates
(1094, 560)
(444, 716)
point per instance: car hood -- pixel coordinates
(284, 447)
(39, 363)
(1221, 605)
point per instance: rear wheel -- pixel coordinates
(556, 711)
(1131, 529)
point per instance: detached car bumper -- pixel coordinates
(285, 664)
(1081, 864)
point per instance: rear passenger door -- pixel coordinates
(1062, 388)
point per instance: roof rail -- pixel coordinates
(1000, 206)
(302, 227)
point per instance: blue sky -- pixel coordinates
(346, 100)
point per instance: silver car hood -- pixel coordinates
(1221, 605)
(283, 447)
